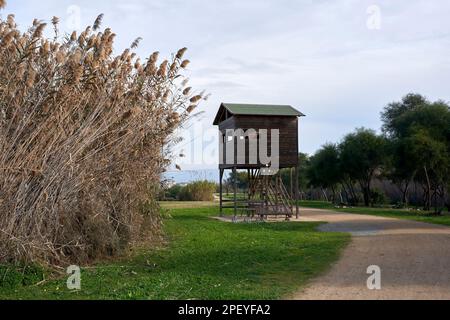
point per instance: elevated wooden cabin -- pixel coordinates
(266, 194)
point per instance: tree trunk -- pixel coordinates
(333, 190)
(447, 200)
(439, 194)
(324, 194)
(366, 197)
(427, 206)
(365, 187)
(344, 190)
(353, 196)
(405, 194)
(435, 202)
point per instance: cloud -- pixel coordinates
(316, 55)
(225, 84)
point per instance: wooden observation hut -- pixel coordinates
(242, 125)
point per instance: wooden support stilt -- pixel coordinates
(291, 181)
(235, 191)
(248, 184)
(297, 210)
(221, 191)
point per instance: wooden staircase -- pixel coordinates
(268, 196)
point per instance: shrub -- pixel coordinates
(82, 134)
(198, 191)
(173, 193)
(378, 197)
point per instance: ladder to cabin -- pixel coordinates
(280, 198)
(276, 199)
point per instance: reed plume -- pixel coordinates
(84, 139)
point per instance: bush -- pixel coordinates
(81, 140)
(198, 191)
(378, 197)
(174, 192)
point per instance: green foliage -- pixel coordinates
(173, 192)
(198, 191)
(378, 197)
(394, 111)
(358, 158)
(362, 154)
(415, 147)
(316, 204)
(242, 180)
(303, 179)
(428, 152)
(421, 115)
(304, 161)
(324, 170)
(16, 277)
(419, 133)
(399, 167)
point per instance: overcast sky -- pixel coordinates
(339, 62)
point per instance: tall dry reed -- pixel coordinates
(82, 137)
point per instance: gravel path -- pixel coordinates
(414, 258)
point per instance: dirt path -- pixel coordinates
(414, 258)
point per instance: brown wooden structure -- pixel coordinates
(266, 194)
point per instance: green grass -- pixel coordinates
(186, 204)
(390, 213)
(205, 259)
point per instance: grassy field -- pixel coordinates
(204, 259)
(391, 213)
(187, 204)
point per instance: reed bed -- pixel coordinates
(83, 142)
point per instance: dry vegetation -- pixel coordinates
(198, 191)
(82, 134)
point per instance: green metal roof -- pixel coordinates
(258, 110)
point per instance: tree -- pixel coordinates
(393, 112)
(324, 170)
(242, 180)
(431, 156)
(303, 179)
(399, 167)
(419, 132)
(362, 155)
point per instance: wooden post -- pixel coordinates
(277, 190)
(248, 184)
(235, 191)
(266, 196)
(296, 193)
(291, 180)
(221, 191)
